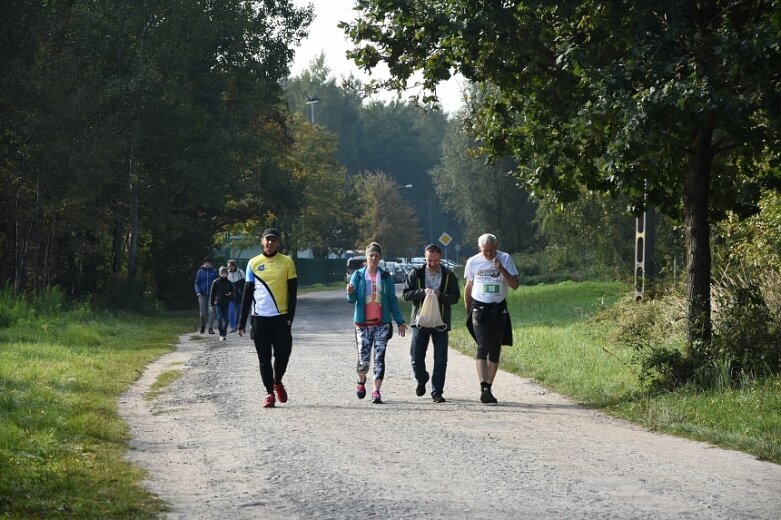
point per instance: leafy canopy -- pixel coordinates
(598, 93)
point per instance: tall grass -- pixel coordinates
(61, 440)
(564, 340)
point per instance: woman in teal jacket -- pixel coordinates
(373, 292)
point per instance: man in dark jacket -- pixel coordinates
(219, 298)
(431, 278)
(203, 282)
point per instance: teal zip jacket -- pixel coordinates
(390, 304)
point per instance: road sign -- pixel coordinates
(445, 239)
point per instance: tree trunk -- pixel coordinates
(698, 271)
(132, 247)
(119, 242)
(22, 237)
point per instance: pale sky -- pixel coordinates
(325, 36)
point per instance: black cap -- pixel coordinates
(270, 232)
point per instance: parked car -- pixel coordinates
(418, 261)
(354, 264)
(397, 272)
(406, 268)
(450, 264)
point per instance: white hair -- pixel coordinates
(486, 239)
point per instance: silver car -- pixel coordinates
(396, 271)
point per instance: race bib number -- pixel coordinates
(491, 288)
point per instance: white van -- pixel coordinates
(418, 261)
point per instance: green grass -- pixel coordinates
(162, 382)
(746, 419)
(560, 343)
(61, 440)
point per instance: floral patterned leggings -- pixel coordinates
(377, 336)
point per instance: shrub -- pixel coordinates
(12, 308)
(6, 317)
(746, 329)
(655, 331)
(50, 301)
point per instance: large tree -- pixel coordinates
(397, 138)
(132, 131)
(324, 220)
(664, 101)
(482, 197)
(383, 216)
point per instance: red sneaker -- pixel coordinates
(360, 390)
(281, 393)
(269, 401)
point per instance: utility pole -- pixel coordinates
(645, 243)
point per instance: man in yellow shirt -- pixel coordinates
(270, 292)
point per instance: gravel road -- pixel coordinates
(212, 451)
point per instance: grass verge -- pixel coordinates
(163, 381)
(560, 343)
(62, 443)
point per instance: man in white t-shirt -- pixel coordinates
(488, 275)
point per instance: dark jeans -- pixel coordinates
(418, 348)
(272, 336)
(234, 309)
(222, 319)
(205, 311)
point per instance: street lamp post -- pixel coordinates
(311, 100)
(430, 204)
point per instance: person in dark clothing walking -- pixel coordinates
(237, 276)
(435, 278)
(203, 282)
(270, 292)
(220, 296)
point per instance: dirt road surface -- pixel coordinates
(212, 451)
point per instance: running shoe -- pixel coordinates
(279, 389)
(360, 390)
(376, 397)
(437, 398)
(268, 402)
(486, 397)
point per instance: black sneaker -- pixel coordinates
(437, 398)
(486, 397)
(420, 390)
(203, 329)
(211, 331)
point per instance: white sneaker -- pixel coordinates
(222, 338)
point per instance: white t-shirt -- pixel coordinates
(488, 283)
